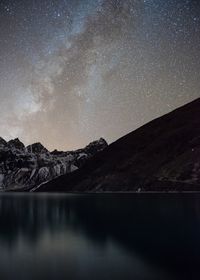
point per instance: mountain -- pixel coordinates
(163, 155)
(24, 168)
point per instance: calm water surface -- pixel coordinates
(110, 236)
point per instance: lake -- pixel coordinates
(99, 236)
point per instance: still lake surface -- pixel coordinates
(102, 236)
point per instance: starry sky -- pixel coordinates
(72, 71)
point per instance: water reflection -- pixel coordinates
(99, 236)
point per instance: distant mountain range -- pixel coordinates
(163, 155)
(25, 168)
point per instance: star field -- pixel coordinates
(73, 71)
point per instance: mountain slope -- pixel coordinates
(162, 155)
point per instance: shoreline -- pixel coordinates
(99, 193)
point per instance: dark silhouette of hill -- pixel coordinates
(163, 155)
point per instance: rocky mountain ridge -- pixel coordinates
(22, 168)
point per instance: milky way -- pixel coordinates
(73, 71)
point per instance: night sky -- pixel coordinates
(72, 71)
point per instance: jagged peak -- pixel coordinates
(16, 143)
(96, 146)
(36, 148)
(100, 141)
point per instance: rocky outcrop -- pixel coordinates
(163, 155)
(37, 148)
(16, 144)
(24, 168)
